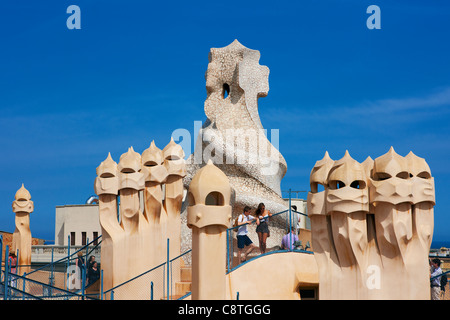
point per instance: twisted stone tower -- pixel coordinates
(233, 137)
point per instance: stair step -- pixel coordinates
(186, 274)
(182, 287)
(172, 297)
(176, 297)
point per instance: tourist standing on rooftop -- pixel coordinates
(289, 239)
(435, 283)
(242, 235)
(262, 220)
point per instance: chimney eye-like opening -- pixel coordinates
(380, 176)
(107, 175)
(317, 187)
(127, 170)
(403, 175)
(336, 184)
(173, 157)
(214, 199)
(225, 90)
(358, 184)
(191, 200)
(150, 163)
(424, 175)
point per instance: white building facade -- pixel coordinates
(79, 223)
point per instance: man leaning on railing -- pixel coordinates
(435, 271)
(289, 239)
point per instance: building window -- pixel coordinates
(95, 238)
(72, 238)
(308, 293)
(83, 238)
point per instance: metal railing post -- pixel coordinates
(83, 281)
(85, 265)
(151, 290)
(290, 221)
(86, 256)
(228, 252)
(1, 255)
(168, 271)
(68, 245)
(101, 284)
(68, 260)
(87, 251)
(52, 268)
(5, 293)
(17, 261)
(23, 285)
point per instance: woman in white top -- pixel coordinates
(242, 238)
(262, 219)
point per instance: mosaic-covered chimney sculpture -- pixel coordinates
(209, 216)
(233, 136)
(22, 206)
(136, 240)
(372, 226)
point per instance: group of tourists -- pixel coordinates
(438, 279)
(92, 268)
(261, 218)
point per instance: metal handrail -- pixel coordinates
(70, 255)
(290, 210)
(273, 215)
(269, 253)
(439, 275)
(134, 278)
(65, 293)
(145, 272)
(185, 296)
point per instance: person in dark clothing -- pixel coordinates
(93, 273)
(90, 261)
(80, 262)
(262, 218)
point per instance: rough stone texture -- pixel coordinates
(209, 215)
(137, 241)
(22, 206)
(233, 136)
(372, 226)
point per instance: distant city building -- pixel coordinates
(7, 241)
(79, 223)
(301, 205)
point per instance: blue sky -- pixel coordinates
(135, 72)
